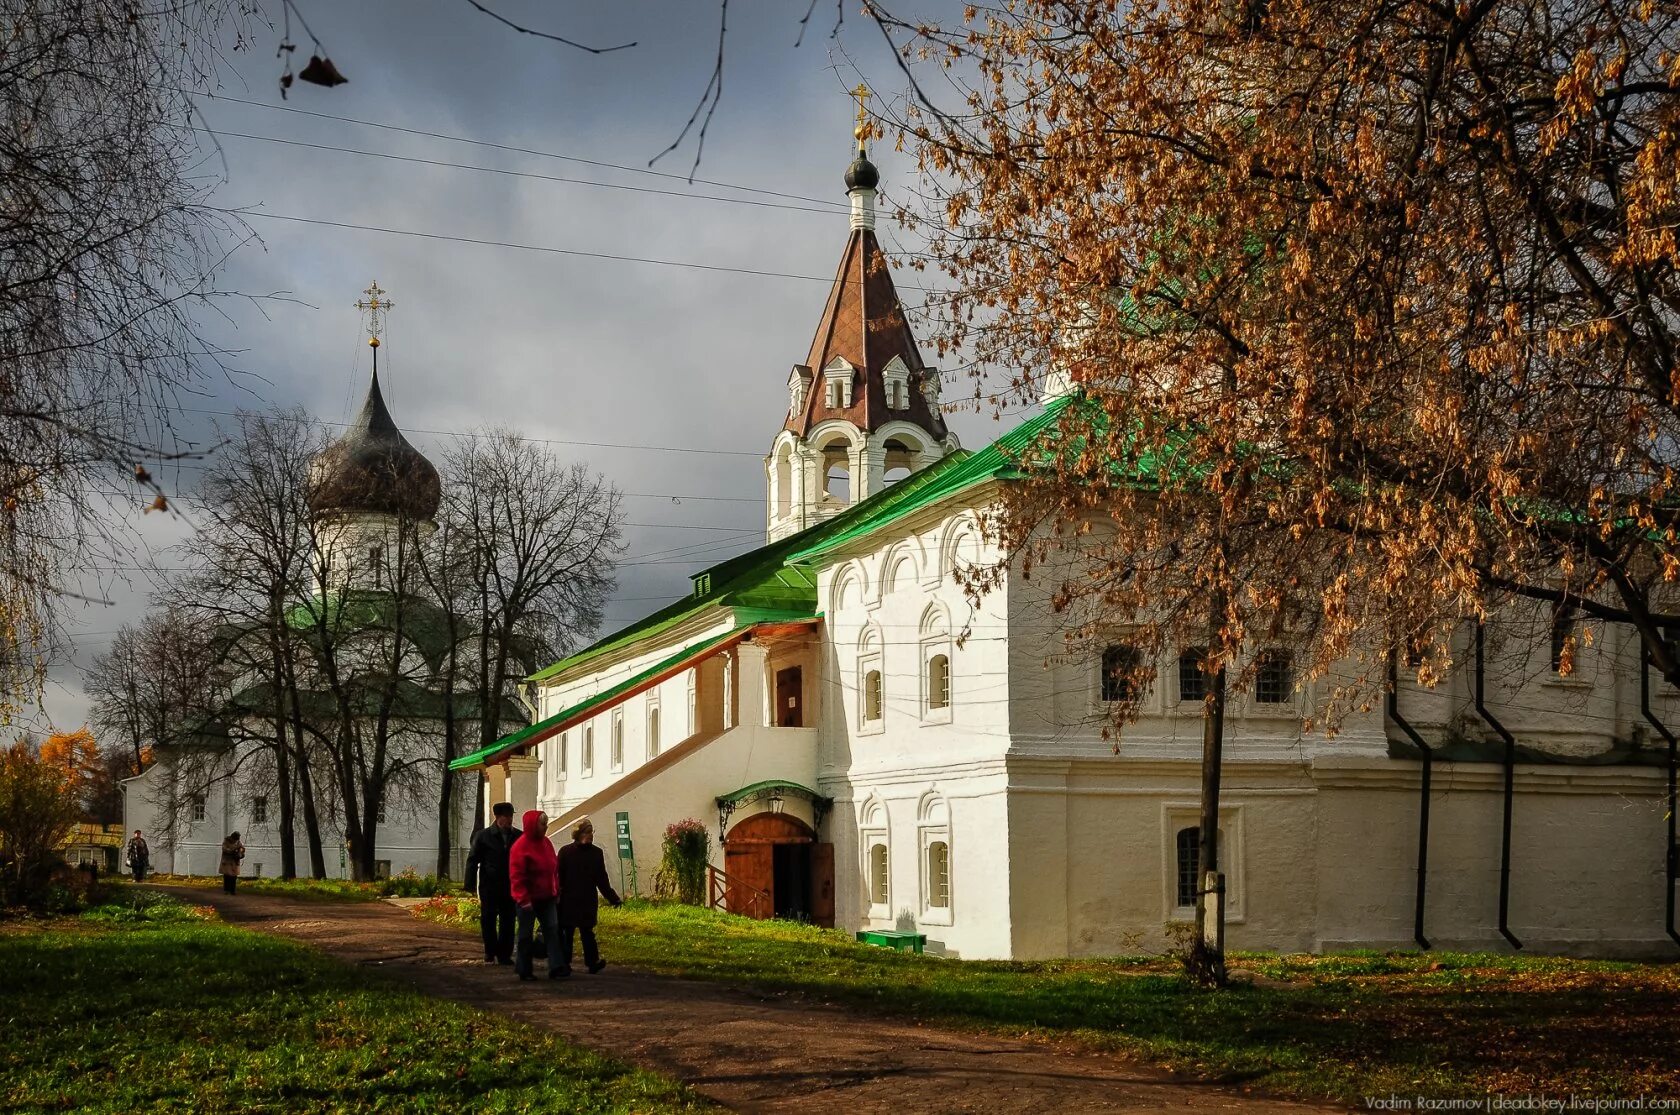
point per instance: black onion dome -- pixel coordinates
(862, 175)
(373, 469)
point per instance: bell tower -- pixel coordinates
(863, 409)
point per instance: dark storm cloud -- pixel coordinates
(557, 347)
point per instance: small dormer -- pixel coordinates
(930, 388)
(895, 377)
(838, 378)
(799, 388)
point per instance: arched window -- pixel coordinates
(838, 481)
(878, 874)
(653, 730)
(618, 739)
(1189, 865)
(1274, 682)
(784, 483)
(560, 754)
(939, 875)
(589, 749)
(873, 698)
(939, 682)
(1192, 681)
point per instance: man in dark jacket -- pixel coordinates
(487, 867)
(583, 871)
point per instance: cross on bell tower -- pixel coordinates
(375, 306)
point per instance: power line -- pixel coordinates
(832, 210)
(516, 150)
(547, 249)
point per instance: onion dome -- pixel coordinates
(862, 175)
(373, 470)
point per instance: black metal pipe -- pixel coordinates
(1423, 798)
(1510, 788)
(1671, 852)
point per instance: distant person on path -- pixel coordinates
(487, 874)
(535, 883)
(232, 852)
(583, 871)
(138, 855)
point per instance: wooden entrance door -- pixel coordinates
(752, 854)
(790, 698)
(822, 885)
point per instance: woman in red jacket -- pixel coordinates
(534, 878)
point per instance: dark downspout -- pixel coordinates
(1671, 853)
(1510, 787)
(1423, 799)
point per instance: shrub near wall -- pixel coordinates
(682, 862)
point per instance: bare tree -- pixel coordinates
(108, 246)
(523, 564)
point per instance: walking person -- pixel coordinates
(583, 871)
(232, 852)
(138, 855)
(487, 873)
(534, 880)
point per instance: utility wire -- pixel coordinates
(516, 150)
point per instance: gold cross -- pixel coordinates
(862, 130)
(376, 308)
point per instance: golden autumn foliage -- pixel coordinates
(1379, 300)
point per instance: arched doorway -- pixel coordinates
(777, 855)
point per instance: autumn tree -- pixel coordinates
(37, 811)
(1372, 309)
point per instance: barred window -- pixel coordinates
(939, 875)
(878, 874)
(1189, 865)
(259, 811)
(1119, 672)
(1275, 682)
(1192, 682)
(872, 696)
(939, 682)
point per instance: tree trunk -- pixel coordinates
(283, 780)
(1208, 951)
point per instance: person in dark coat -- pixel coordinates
(487, 873)
(139, 856)
(583, 871)
(233, 851)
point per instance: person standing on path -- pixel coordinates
(487, 873)
(534, 880)
(139, 856)
(583, 871)
(232, 852)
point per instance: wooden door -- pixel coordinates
(822, 885)
(751, 872)
(790, 698)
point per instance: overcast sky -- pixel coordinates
(556, 346)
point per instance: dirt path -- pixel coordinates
(749, 1051)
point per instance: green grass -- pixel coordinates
(325, 890)
(165, 1011)
(1341, 1026)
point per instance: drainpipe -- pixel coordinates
(1423, 799)
(1510, 786)
(1671, 853)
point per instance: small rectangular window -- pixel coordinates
(1274, 683)
(1189, 865)
(939, 875)
(1120, 666)
(259, 811)
(589, 749)
(878, 874)
(939, 682)
(653, 730)
(1192, 681)
(562, 754)
(198, 810)
(618, 740)
(872, 695)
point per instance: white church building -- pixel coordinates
(866, 768)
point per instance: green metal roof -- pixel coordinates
(541, 727)
(747, 793)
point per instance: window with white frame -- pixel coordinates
(588, 749)
(259, 811)
(1192, 678)
(878, 888)
(198, 807)
(933, 826)
(618, 739)
(1182, 861)
(939, 682)
(876, 861)
(653, 729)
(1121, 680)
(561, 747)
(873, 696)
(871, 684)
(837, 381)
(896, 379)
(1274, 680)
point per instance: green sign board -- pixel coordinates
(624, 849)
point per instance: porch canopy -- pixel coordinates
(775, 791)
(515, 743)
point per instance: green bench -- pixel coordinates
(893, 939)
